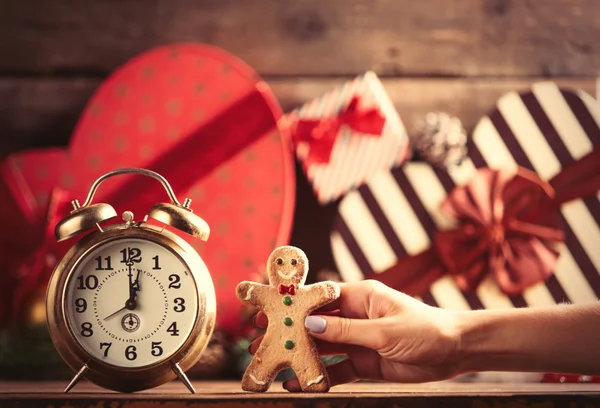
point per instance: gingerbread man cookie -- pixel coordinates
(287, 301)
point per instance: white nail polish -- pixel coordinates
(315, 324)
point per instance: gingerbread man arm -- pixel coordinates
(252, 292)
(322, 293)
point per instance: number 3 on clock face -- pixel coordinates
(131, 303)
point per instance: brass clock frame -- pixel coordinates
(88, 216)
(125, 379)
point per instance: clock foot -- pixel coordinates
(76, 379)
(183, 378)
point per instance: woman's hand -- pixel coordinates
(387, 336)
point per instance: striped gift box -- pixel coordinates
(355, 157)
(398, 212)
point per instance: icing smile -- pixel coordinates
(288, 276)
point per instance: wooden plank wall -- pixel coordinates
(453, 55)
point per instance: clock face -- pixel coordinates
(131, 303)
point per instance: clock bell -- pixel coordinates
(88, 216)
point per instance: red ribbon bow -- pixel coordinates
(505, 229)
(291, 289)
(507, 224)
(321, 134)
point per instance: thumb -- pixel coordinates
(358, 332)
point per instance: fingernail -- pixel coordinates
(315, 324)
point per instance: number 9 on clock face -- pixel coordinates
(131, 303)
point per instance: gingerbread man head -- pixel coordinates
(287, 265)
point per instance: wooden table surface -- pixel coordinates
(229, 394)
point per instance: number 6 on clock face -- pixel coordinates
(127, 312)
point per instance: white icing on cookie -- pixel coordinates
(289, 275)
(315, 381)
(249, 293)
(259, 382)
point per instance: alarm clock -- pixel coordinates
(131, 305)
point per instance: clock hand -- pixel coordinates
(134, 288)
(130, 303)
(115, 313)
(136, 283)
(131, 283)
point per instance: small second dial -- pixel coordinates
(144, 319)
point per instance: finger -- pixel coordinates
(254, 345)
(324, 348)
(356, 297)
(328, 313)
(343, 372)
(261, 320)
(360, 332)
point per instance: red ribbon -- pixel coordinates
(291, 289)
(31, 254)
(507, 224)
(29, 271)
(321, 134)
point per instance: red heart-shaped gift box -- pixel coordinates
(196, 115)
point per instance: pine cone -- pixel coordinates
(440, 140)
(215, 361)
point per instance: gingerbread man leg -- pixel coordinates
(311, 372)
(262, 370)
